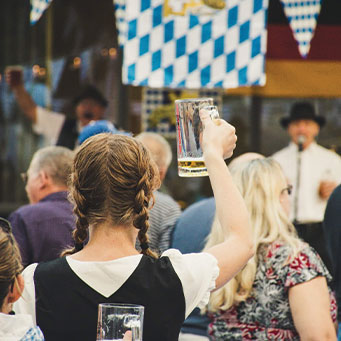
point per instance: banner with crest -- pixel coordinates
(193, 43)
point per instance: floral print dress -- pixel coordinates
(266, 315)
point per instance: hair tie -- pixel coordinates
(78, 246)
(144, 246)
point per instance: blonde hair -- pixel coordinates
(113, 179)
(260, 182)
(10, 265)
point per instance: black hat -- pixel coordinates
(302, 111)
(89, 91)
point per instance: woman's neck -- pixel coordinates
(108, 242)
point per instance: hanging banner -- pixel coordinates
(119, 7)
(194, 44)
(37, 9)
(302, 16)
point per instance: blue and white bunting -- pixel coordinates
(302, 16)
(37, 9)
(217, 48)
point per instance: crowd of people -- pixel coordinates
(258, 261)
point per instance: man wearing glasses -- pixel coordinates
(314, 172)
(44, 227)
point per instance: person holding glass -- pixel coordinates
(55, 127)
(112, 184)
(282, 292)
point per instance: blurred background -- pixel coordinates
(75, 43)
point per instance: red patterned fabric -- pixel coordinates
(266, 315)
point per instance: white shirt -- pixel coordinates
(317, 164)
(49, 124)
(14, 327)
(196, 271)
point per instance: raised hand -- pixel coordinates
(218, 136)
(14, 76)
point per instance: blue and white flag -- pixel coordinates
(178, 45)
(120, 6)
(37, 9)
(302, 16)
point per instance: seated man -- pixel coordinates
(43, 229)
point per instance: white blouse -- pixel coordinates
(196, 271)
(14, 327)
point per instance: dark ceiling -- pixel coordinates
(77, 25)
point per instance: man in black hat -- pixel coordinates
(313, 170)
(56, 127)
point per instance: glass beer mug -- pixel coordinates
(115, 320)
(189, 131)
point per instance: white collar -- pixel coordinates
(105, 277)
(14, 327)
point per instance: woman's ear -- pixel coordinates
(17, 289)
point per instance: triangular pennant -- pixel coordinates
(37, 9)
(302, 16)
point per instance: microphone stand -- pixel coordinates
(298, 178)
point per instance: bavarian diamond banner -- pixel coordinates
(302, 16)
(195, 44)
(37, 9)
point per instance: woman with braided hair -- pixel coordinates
(112, 185)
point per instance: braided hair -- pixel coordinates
(112, 180)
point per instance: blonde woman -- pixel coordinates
(282, 292)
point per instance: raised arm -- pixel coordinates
(218, 143)
(24, 99)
